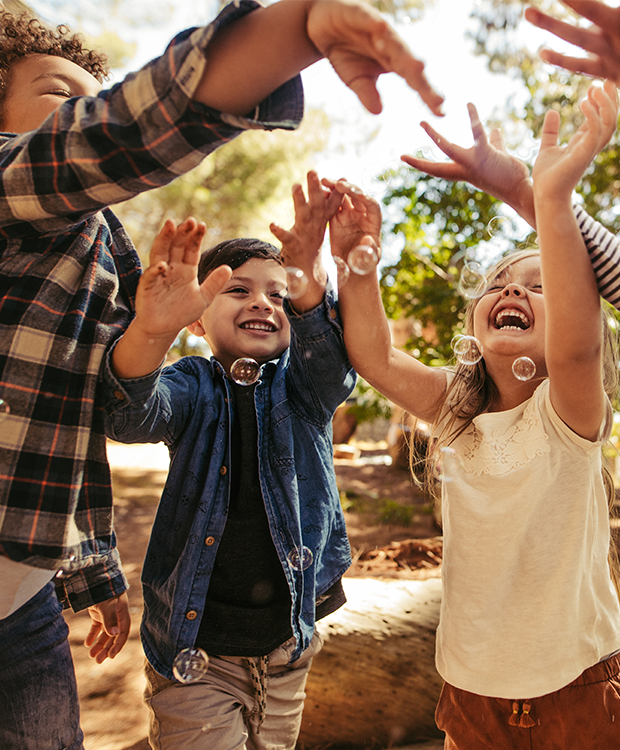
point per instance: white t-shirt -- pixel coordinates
(528, 602)
(19, 583)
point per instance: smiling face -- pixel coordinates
(246, 318)
(509, 319)
(38, 85)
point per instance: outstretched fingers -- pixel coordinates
(214, 282)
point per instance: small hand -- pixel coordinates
(109, 628)
(169, 296)
(559, 168)
(361, 46)
(601, 40)
(357, 222)
(301, 245)
(486, 165)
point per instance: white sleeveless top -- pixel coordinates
(528, 602)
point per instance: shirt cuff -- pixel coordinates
(96, 583)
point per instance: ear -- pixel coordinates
(196, 328)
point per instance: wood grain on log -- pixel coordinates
(374, 684)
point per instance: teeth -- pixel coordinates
(254, 326)
(511, 313)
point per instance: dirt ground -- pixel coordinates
(383, 510)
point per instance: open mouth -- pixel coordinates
(258, 325)
(510, 319)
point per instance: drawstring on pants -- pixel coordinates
(258, 670)
(525, 721)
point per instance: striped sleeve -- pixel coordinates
(604, 251)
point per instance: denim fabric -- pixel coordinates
(39, 707)
(188, 406)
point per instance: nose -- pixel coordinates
(513, 288)
(261, 301)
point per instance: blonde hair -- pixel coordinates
(471, 392)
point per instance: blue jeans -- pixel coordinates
(39, 707)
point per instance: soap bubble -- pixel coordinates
(300, 559)
(472, 282)
(363, 259)
(245, 371)
(523, 368)
(502, 227)
(190, 665)
(468, 350)
(445, 466)
(296, 283)
(342, 270)
(319, 273)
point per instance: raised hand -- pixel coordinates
(301, 244)
(601, 40)
(169, 296)
(486, 165)
(361, 46)
(559, 168)
(357, 221)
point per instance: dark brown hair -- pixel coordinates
(23, 35)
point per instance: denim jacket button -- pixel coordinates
(119, 395)
(209, 541)
(332, 314)
(223, 470)
(192, 614)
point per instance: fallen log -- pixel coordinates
(374, 684)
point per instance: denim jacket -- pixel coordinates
(188, 406)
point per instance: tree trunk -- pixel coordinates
(374, 683)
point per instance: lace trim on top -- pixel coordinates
(496, 452)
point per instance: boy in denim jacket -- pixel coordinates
(249, 544)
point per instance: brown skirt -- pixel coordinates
(584, 715)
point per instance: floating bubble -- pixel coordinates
(190, 665)
(363, 259)
(502, 227)
(245, 371)
(4, 408)
(296, 283)
(342, 270)
(523, 368)
(468, 350)
(300, 559)
(455, 339)
(319, 273)
(445, 467)
(472, 282)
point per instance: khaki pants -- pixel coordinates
(584, 715)
(219, 712)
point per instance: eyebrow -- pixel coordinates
(251, 280)
(58, 76)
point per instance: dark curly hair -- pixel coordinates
(23, 35)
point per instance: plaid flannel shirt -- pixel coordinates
(68, 275)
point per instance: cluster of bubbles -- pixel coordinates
(190, 665)
(300, 558)
(245, 371)
(467, 349)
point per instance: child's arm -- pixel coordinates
(301, 245)
(489, 167)
(255, 55)
(401, 378)
(601, 40)
(168, 298)
(573, 333)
